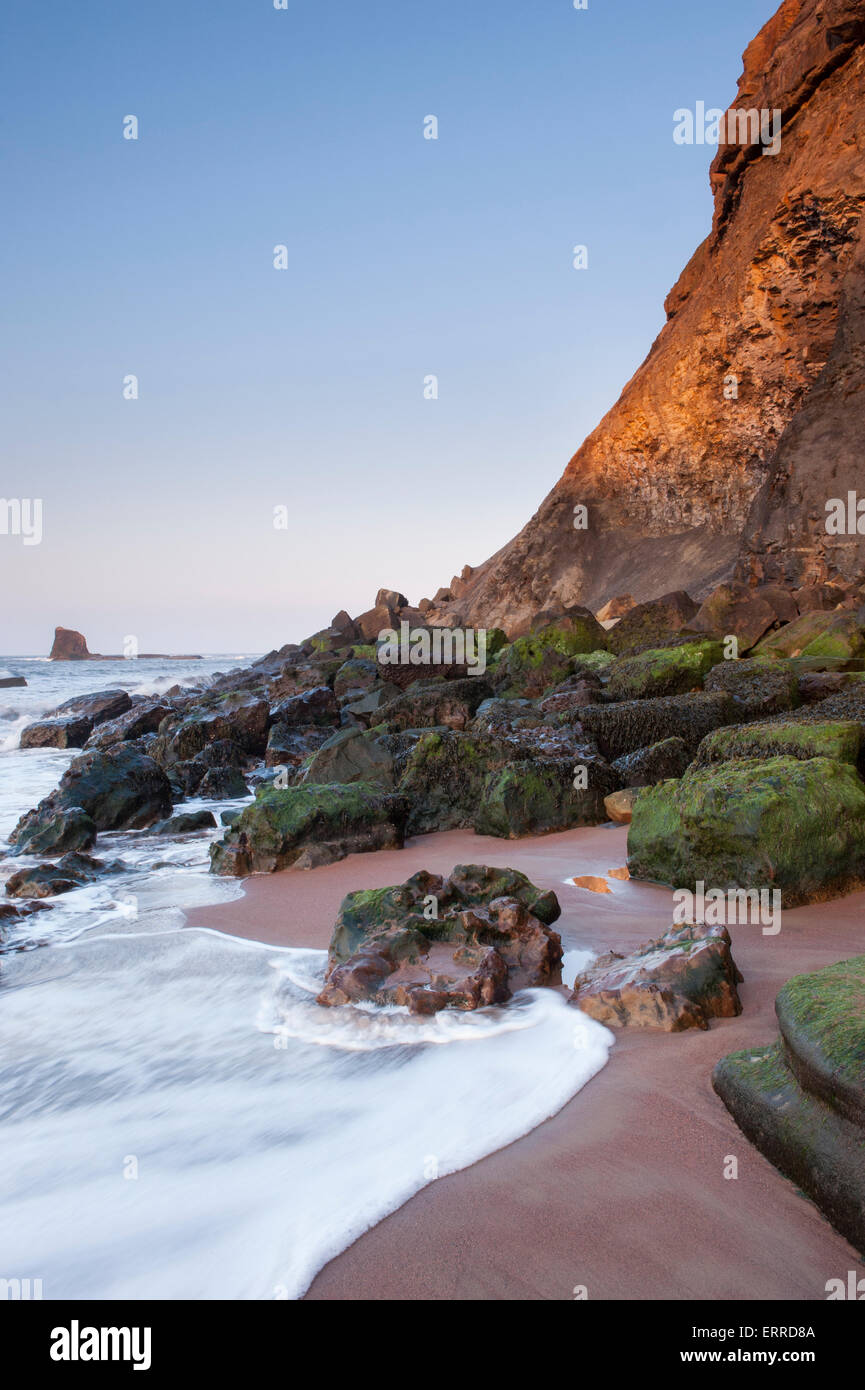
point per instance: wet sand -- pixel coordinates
(623, 1191)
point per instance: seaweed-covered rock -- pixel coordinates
(425, 706)
(815, 634)
(351, 755)
(756, 687)
(623, 728)
(532, 797)
(668, 758)
(840, 739)
(119, 788)
(309, 825)
(798, 826)
(663, 670)
(651, 624)
(681, 980)
(444, 775)
(801, 1100)
(432, 943)
(528, 668)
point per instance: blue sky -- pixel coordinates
(303, 388)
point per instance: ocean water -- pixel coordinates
(178, 1117)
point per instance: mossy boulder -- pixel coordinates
(839, 739)
(756, 687)
(355, 678)
(623, 728)
(534, 797)
(530, 666)
(801, 1100)
(785, 823)
(663, 670)
(832, 635)
(572, 632)
(431, 943)
(444, 774)
(309, 825)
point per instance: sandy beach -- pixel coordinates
(623, 1191)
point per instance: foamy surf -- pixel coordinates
(263, 1142)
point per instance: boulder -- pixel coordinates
(734, 610)
(137, 721)
(619, 806)
(838, 739)
(443, 777)
(68, 732)
(623, 728)
(56, 832)
(448, 703)
(570, 631)
(801, 1100)
(529, 667)
(533, 797)
(785, 823)
(355, 678)
(432, 943)
(350, 755)
(309, 825)
(7, 682)
(651, 624)
(68, 645)
(222, 784)
(317, 707)
(391, 598)
(119, 788)
(681, 980)
(239, 718)
(291, 747)
(98, 707)
(756, 687)
(657, 762)
(663, 670)
(817, 634)
(185, 823)
(616, 608)
(49, 880)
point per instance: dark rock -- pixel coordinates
(623, 728)
(222, 784)
(120, 788)
(659, 761)
(448, 703)
(351, 756)
(69, 732)
(313, 707)
(98, 707)
(185, 823)
(651, 624)
(59, 831)
(756, 687)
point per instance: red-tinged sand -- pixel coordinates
(623, 1191)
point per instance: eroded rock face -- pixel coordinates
(682, 980)
(681, 481)
(433, 943)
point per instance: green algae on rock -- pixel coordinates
(663, 670)
(309, 825)
(534, 797)
(623, 728)
(839, 739)
(801, 1100)
(785, 823)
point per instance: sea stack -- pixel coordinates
(69, 645)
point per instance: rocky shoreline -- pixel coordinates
(743, 772)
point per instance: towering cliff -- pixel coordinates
(744, 418)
